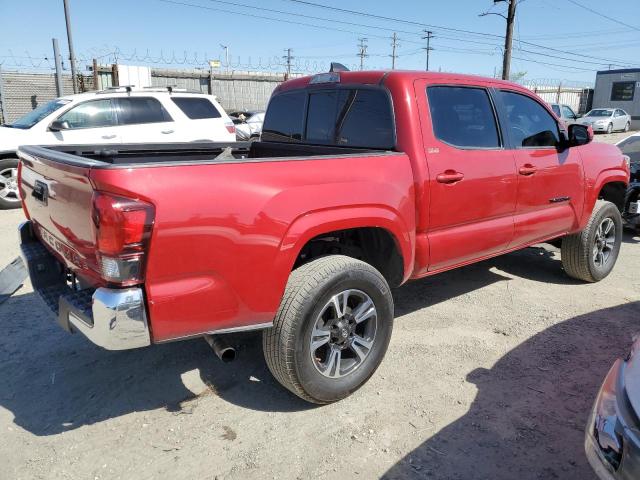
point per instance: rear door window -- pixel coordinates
(285, 119)
(568, 113)
(196, 108)
(140, 110)
(463, 117)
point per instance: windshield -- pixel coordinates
(600, 113)
(33, 117)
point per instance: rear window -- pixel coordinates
(196, 108)
(137, 110)
(285, 118)
(345, 117)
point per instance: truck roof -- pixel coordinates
(374, 77)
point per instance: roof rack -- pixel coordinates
(132, 88)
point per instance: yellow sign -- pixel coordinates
(214, 63)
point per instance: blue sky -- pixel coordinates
(173, 32)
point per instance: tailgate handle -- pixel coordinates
(108, 137)
(40, 192)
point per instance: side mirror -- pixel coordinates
(58, 125)
(580, 135)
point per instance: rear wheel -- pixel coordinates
(591, 254)
(332, 329)
(9, 194)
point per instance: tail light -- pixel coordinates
(122, 230)
(231, 128)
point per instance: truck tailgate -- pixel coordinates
(58, 200)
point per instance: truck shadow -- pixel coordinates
(53, 382)
(528, 418)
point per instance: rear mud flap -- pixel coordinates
(11, 278)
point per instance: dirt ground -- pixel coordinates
(490, 374)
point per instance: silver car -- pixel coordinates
(607, 120)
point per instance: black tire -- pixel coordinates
(578, 249)
(287, 346)
(12, 200)
(627, 127)
(610, 129)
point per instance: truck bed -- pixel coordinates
(104, 156)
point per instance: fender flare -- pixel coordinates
(314, 223)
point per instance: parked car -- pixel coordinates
(630, 146)
(248, 124)
(612, 440)
(116, 115)
(607, 120)
(361, 181)
(564, 113)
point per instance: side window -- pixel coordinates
(623, 91)
(138, 110)
(568, 113)
(556, 110)
(285, 119)
(91, 114)
(463, 117)
(366, 120)
(196, 108)
(530, 124)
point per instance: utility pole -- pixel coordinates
(508, 39)
(72, 55)
(428, 38)
(362, 51)
(288, 58)
(226, 54)
(394, 46)
(58, 64)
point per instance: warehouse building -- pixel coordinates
(619, 89)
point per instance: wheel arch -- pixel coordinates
(374, 230)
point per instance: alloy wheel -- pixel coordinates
(604, 242)
(343, 333)
(9, 185)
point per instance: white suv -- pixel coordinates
(116, 115)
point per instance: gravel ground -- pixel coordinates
(490, 374)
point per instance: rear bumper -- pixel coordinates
(114, 319)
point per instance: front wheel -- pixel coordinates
(627, 127)
(332, 329)
(610, 128)
(9, 194)
(591, 254)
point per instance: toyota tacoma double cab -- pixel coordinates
(361, 181)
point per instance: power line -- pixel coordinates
(439, 27)
(615, 20)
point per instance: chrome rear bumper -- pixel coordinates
(114, 319)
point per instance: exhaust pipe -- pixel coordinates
(222, 349)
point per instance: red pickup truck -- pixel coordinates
(361, 182)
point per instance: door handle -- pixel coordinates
(167, 132)
(449, 177)
(108, 137)
(527, 170)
